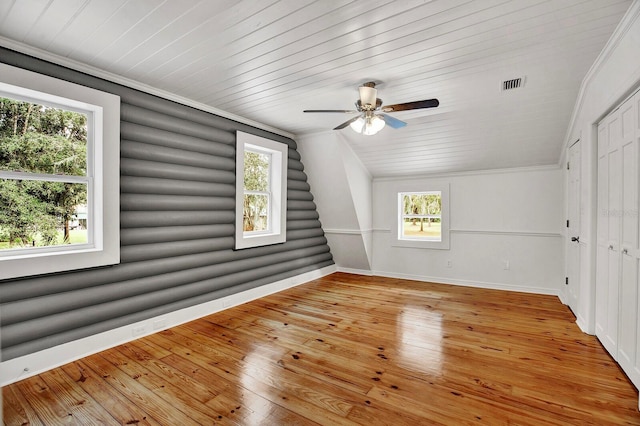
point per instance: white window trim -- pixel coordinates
(278, 187)
(443, 244)
(103, 156)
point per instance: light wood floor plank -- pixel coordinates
(109, 398)
(347, 350)
(17, 410)
(81, 406)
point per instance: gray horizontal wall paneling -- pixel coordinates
(177, 227)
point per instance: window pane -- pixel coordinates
(38, 213)
(422, 204)
(426, 209)
(428, 228)
(256, 171)
(255, 215)
(39, 139)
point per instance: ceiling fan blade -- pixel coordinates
(346, 123)
(348, 111)
(429, 103)
(392, 122)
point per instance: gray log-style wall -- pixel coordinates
(177, 197)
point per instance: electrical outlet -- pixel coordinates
(160, 324)
(449, 263)
(505, 265)
(139, 330)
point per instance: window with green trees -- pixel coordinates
(43, 175)
(421, 216)
(257, 191)
(59, 175)
(261, 191)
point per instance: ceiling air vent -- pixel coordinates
(512, 84)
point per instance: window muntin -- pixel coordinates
(261, 190)
(92, 182)
(45, 178)
(421, 216)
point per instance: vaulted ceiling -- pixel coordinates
(268, 60)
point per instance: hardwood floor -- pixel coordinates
(343, 350)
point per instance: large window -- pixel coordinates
(44, 176)
(261, 177)
(59, 175)
(422, 219)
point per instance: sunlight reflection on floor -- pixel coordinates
(420, 340)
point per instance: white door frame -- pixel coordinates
(573, 248)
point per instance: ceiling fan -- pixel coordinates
(371, 118)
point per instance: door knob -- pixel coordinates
(625, 251)
(575, 239)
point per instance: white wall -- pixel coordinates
(614, 75)
(341, 187)
(481, 240)
(512, 216)
(360, 184)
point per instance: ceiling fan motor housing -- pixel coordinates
(368, 97)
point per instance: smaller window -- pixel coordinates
(258, 173)
(421, 216)
(422, 219)
(261, 179)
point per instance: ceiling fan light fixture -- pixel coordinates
(357, 125)
(373, 125)
(368, 125)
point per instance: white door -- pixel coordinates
(628, 238)
(618, 242)
(631, 261)
(602, 235)
(608, 271)
(618, 236)
(573, 248)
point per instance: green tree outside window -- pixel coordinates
(40, 140)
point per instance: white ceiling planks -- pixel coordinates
(267, 60)
(211, 36)
(81, 25)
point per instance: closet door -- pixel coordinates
(631, 260)
(618, 236)
(607, 286)
(627, 334)
(602, 236)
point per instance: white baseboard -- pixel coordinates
(584, 325)
(30, 365)
(467, 283)
(355, 271)
(563, 297)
